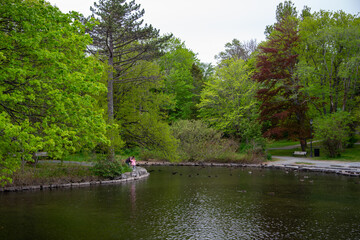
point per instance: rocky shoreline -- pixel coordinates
(353, 171)
(141, 172)
(137, 174)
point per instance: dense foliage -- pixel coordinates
(283, 104)
(334, 130)
(110, 82)
(48, 84)
(228, 101)
(198, 142)
(110, 169)
(310, 67)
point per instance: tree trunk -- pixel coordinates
(110, 98)
(303, 144)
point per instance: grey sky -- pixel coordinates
(207, 25)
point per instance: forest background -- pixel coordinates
(111, 85)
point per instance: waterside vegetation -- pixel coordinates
(109, 86)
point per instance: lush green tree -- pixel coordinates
(228, 101)
(183, 79)
(334, 131)
(140, 110)
(122, 40)
(48, 84)
(283, 103)
(329, 60)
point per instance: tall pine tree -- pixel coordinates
(122, 40)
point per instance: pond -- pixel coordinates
(191, 203)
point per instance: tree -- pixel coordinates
(121, 40)
(237, 50)
(228, 101)
(48, 84)
(334, 131)
(329, 60)
(283, 104)
(183, 79)
(283, 10)
(140, 111)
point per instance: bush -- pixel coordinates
(110, 169)
(334, 131)
(198, 142)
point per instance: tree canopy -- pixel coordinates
(69, 83)
(48, 84)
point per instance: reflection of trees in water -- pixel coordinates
(133, 198)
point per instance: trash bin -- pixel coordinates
(316, 152)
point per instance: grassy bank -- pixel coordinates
(52, 173)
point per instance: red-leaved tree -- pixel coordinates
(283, 105)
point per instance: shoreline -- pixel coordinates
(140, 173)
(350, 171)
(331, 169)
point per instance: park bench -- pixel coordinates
(299, 153)
(39, 154)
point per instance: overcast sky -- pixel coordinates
(207, 25)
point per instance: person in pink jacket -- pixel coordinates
(133, 162)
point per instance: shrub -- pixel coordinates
(334, 131)
(198, 142)
(110, 169)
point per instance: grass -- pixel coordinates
(52, 173)
(350, 154)
(304, 163)
(282, 143)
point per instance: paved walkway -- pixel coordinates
(281, 160)
(341, 167)
(306, 164)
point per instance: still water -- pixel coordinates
(191, 203)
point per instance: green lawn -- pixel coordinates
(350, 154)
(282, 143)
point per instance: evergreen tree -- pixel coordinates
(122, 40)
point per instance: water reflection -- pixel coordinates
(191, 203)
(133, 198)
